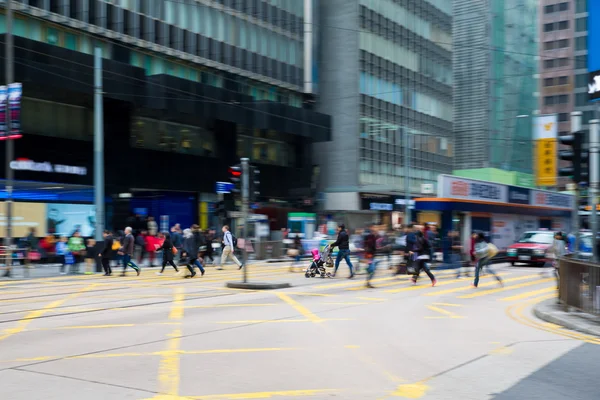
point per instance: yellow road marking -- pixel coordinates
(352, 346)
(410, 391)
(353, 283)
(486, 284)
(529, 294)
(518, 316)
(448, 314)
(312, 294)
(168, 370)
(502, 351)
(265, 395)
(428, 286)
(448, 304)
(371, 298)
(280, 321)
(22, 324)
(299, 307)
(503, 289)
(349, 303)
(234, 305)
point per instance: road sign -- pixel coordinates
(235, 214)
(224, 187)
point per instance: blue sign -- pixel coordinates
(223, 187)
(518, 195)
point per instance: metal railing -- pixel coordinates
(579, 285)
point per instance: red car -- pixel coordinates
(532, 248)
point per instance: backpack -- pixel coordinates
(234, 240)
(116, 245)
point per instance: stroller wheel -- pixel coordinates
(307, 275)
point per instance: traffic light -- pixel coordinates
(235, 175)
(578, 171)
(254, 191)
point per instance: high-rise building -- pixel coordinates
(557, 63)
(189, 87)
(495, 86)
(582, 103)
(386, 80)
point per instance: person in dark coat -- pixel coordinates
(343, 245)
(190, 251)
(107, 253)
(167, 248)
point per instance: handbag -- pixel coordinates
(293, 252)
(174, 250)
(492, 250)
(34, 255)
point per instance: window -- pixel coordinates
(549, 82)
(581, 43)
(549, 9)
(581, 61)
(549, 63)
(581, 99)
(549, 100)
(581, 6)
(581, 80)
(581, 24)
(549, 45)
(563, 62)
(563, 99)
(52, 36)
(563, 6)
(70, 41)
(549, 27)
(561, 44)
(563, 117)
(563, 80)
(562, 25)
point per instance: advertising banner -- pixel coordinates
(503, 230)
(64, 219)
(549, 199)
(468, 189)
(24, 217)
(518, 195)
(3, 113)
(545, 130)
(15, 92)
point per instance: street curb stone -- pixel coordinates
(257, 285)
(550, 311)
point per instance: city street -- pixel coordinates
(164, 337)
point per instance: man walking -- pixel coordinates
(229, 249)
(107, 253)
(343, 245)
(127, 251)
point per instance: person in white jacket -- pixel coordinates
(482, 254)
(559, 249)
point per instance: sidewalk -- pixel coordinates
(550, 311)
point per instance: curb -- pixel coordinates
(257, 285)
(576, 321)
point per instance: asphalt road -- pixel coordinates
(165, 337)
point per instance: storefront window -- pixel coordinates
(177, 138)
(56, 119)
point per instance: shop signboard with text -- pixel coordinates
(468, 189)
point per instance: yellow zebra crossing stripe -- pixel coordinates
(512, 287)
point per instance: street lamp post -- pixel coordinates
(9, 143)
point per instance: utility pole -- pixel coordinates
(576, 127)
(98, 145)
(245, 199)
(9, 62)
(407, 211)
(594, 180)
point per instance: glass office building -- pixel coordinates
(495, 83)
(391, 87)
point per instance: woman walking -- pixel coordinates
(167, 248)
(559, 248)
(421, 255)
(482, 253)
(190, 252)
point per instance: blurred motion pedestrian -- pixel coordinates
(191, 249)
(167, 249)
(370, 248)
(229, 244)
(107, 253)
(343, 245)
(76, 246)
(559, 249)
(483, 256)
(61, 252)
(152, 226)
(126, 251)
(90, 257)
(421, 254)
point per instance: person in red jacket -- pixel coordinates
(152, 243)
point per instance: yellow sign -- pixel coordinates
(546, 162)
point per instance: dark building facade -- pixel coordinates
(168, 139)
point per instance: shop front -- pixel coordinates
(501, 212)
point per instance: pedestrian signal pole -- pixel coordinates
(245, 200)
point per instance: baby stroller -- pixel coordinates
(319, 262)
